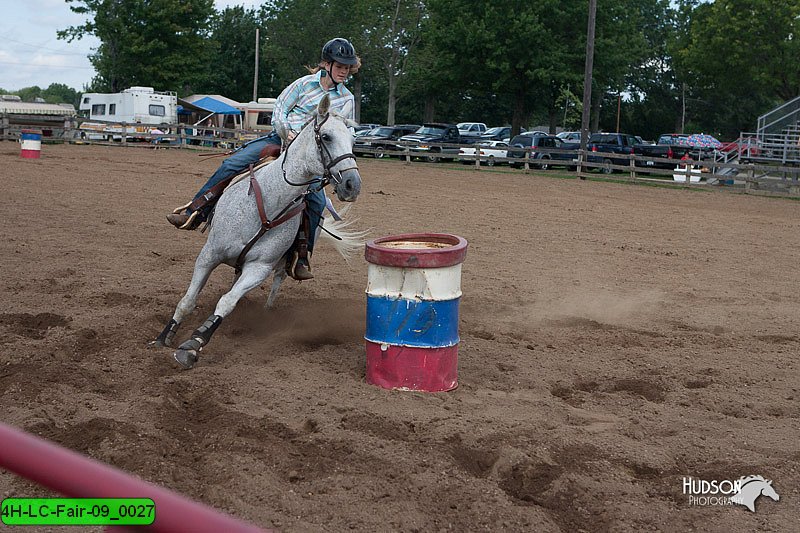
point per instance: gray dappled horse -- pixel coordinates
(254, 240)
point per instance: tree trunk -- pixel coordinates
(392, 104)
(427, 115)
(597, 100)
(552, 115)
(357, 96)
(519, 112)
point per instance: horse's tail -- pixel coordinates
(349, 240)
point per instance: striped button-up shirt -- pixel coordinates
(297, 101)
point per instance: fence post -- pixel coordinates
(579, 166)
(633, 167)
(407, 150)
(4, 123)
(124, 134)
(477, 157)
(527, 160)
(750, 178)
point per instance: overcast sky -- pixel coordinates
(31, 54)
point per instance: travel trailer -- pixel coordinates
(140, 109)
(258, 115)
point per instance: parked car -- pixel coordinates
(382, 139)
(489, 151)
(426, 140)
(361, 133)
(362, 127)
(471, 129)
(570, 136)
(623, 143)
(542, 159)
(498, 133)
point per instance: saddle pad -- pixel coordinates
(246, 173)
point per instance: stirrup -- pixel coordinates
(292, 268)
(178, 210)
(188, 224)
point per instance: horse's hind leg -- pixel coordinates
(252, 276)
(277, 280)
(202, 270)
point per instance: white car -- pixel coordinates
(490, 151)
(473, 129)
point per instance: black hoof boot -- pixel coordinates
(186, 357)
(187, 353)
(166, 337)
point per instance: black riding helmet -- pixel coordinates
(339, 50)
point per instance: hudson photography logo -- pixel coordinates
(743, 491)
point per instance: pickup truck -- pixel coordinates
(622, 143)
(426, 140)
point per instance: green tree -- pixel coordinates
(755, 39)
(29, 94)
(233, 34)
(57, 93)
(160, 43)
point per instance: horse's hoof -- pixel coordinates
(158, 343)
(185, 358)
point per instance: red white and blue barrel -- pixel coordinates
(413, 295)
(31, 144)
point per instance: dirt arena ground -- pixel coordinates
(614, 339)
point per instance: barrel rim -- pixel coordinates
(417, 257)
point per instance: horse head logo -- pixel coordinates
(751, 488)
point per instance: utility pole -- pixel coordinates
(255, 76)
(619, 108)
(683, 106)
(587, 80)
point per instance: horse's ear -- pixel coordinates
(350, 123)
(324, 105)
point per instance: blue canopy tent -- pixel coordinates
(205, 108)
(201, 110)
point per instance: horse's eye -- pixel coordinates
(326, 137)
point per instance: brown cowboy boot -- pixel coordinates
(300, 268)
(183, 221)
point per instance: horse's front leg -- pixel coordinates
(252, 276)
(202, 270)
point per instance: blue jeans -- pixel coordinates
(240, 160)
(236, 163)
(315, 204)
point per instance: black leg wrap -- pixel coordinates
(186, 354)
(168, 334)
(204, 332)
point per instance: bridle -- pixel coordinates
(327, 176)
(297, 205)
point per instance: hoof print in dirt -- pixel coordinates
(186, 358)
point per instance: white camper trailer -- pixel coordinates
(138, 108)
(258, 115)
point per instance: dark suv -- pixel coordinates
(427, 140)
(382, 139)
(542, 160)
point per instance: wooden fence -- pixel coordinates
(752, 178)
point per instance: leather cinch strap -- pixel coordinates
(289, 212)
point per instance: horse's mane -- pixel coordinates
(745, 480)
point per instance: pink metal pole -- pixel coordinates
(77, 476)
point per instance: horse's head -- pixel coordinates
(768, 491)
(334, 144)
